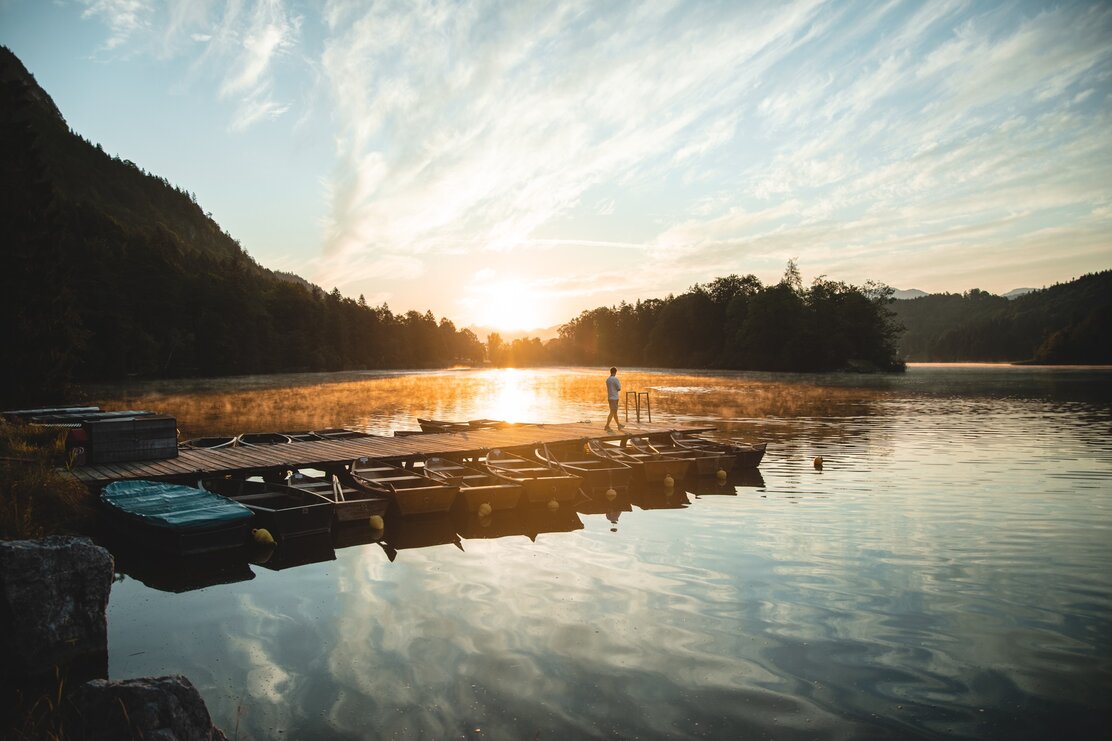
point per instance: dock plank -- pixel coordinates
(321, 453)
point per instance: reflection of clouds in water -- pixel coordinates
(540, 631)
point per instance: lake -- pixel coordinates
(946, 573)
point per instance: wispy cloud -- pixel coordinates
(241, 45)
(124, 18)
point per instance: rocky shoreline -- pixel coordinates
(54, 640)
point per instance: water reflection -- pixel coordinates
(947, 574)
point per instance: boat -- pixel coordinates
(353, 503)
(209, 443)
(541, 483)
(262, 438)
(339, 433)
(411, 492)
(284, 511)
(599, 474)
(301, 436)
(439, 425)
(746, 455)
(175, 519)
(705, 462)
(477, 488)
(648, 467)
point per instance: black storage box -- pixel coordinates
(123, 439)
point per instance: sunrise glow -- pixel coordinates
(507, 305)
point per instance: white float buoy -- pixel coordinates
(553, 505)
(721, 474)
(376, 522)
(669, 482)
(484, 509)
(611, 494)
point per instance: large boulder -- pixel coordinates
(152, 708)
(53, 601)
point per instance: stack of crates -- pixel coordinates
(123, 439)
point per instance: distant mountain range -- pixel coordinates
(1065, 323)
(911, 293)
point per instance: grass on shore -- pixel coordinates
(37, 496)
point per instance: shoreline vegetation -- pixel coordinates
(37, 497)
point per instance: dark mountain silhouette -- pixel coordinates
(107, 271)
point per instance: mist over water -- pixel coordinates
(947, 572)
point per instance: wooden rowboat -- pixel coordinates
(477, 488)
(649, 467)
(598, 474)
(411, 492)
(541, 483)
(285, 511)
(746, 455)
(353, 503)
(262, 438)
(210, 443)
(705, 462)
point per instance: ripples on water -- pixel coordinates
(948, 572)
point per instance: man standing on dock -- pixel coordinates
(613, 393)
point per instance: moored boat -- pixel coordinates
(285, 511)
(746, 455)
(209, 443)
(339, 433)
(262, 438)
(477, 488)
(705, 462)
(649, 467)
(411, 492)
(353, 503)
(599, 474)
(175, 519)
(541, 483)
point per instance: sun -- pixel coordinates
(508, 305)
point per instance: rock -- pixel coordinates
(151, 708)
(53, 597)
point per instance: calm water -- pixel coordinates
(948, 573)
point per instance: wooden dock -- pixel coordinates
(330, 454)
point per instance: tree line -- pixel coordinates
(1065, 323)
(732, 322)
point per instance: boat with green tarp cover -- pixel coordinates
(175, 519)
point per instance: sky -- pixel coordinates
(510, 164)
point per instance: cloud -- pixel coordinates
(124, 18)
(479, 125)
(242, 46)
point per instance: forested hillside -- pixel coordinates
(732, 323)
(108, 271)
(1066, 323)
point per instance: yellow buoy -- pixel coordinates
(721, 474)
(484, 509)
(669, 482)
(376, 522)
(611, 494)
(818, 462)
(262, 536)
(553, 505)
